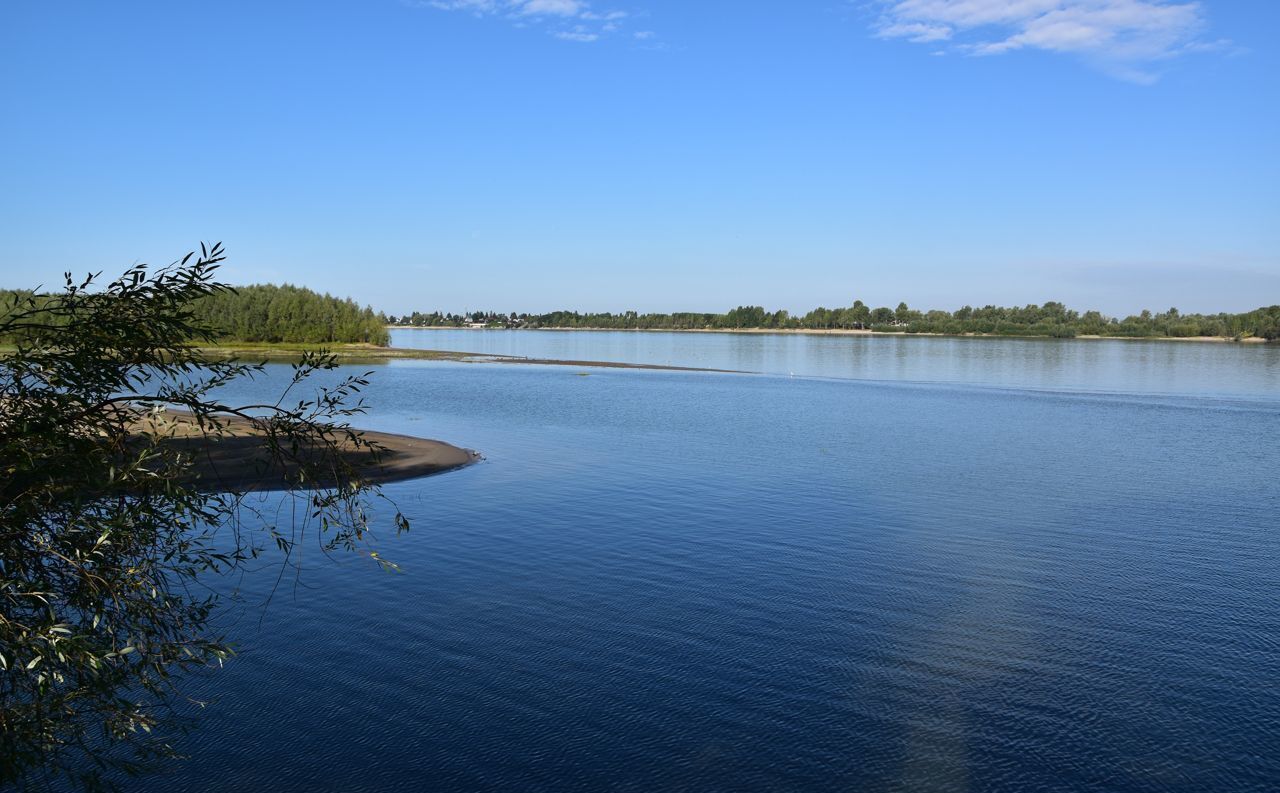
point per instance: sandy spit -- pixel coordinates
(237, 460)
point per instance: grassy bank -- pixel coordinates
(289, 350)
(285, 351)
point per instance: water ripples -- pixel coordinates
(688, 582)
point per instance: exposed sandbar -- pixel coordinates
(357, 353)
(237, 459)
(598, 364)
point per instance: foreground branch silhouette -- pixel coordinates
(106, 524)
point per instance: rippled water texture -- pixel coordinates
(1054, 567)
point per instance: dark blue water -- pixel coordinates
(671, 581)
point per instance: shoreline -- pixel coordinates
(857, 332)
(354, 353)
(234, 461)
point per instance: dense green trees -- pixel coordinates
(1051, 319)
(268, 313)
(1264, 322)
(108, 535)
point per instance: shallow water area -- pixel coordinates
(1024, 565)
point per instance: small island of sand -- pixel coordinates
(236, 459)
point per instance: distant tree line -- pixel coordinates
(1051, 319)
(269, 313)
(436, 319)
(292, 314)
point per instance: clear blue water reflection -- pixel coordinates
(670, 581)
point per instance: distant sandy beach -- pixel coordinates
(856, 332)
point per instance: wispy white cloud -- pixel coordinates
(474, 6)
(569, 20)
(1126, 38)
(606, 16)
(559, 8)
(578, 33)
(918, 32)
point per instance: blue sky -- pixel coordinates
(652, 154)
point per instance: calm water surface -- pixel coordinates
(937, 565)
(1146, 367)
